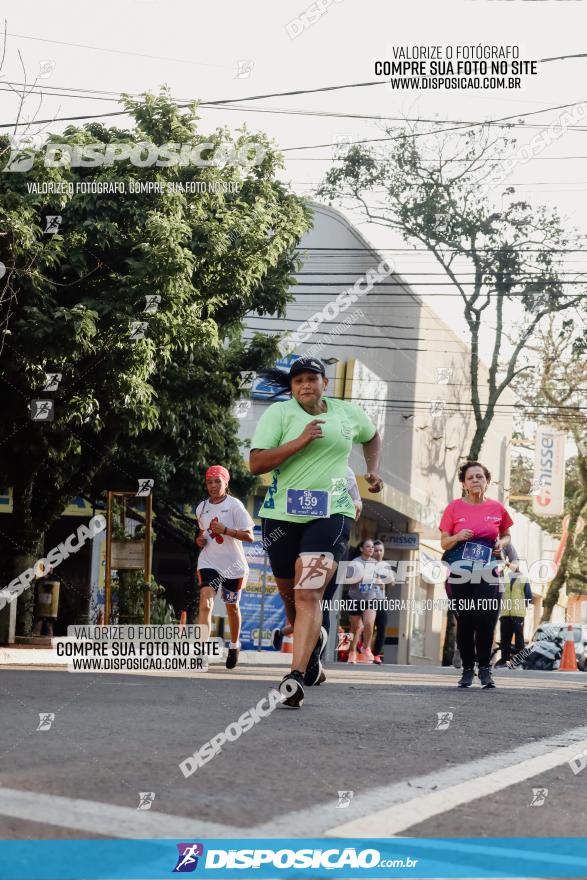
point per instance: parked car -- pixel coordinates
(553, 631)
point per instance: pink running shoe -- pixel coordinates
(367, 656)
(352, 657)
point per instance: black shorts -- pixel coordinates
(355, 607)
(284, 540)
(231, 587)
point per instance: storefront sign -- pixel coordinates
(400, 540)
(549, 471)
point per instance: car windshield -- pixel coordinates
(549, 632)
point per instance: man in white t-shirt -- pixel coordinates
(224, 524)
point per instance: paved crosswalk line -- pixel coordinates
(398, 818)
(326, 818)
(109, 820)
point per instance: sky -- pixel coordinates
(199, 49)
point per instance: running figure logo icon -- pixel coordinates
(52, 381)
(244, 68)
(145, 486)
(52, 224)
(187, 861)
(42, 410)
(46, 719)
(315, 569)
(443, 375)
(241, 408)
(152, 303)
(344, 641)
(344, 799)
(146, 799)
(137, 330)
(444, 719)
(539, 795)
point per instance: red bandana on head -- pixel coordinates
(218, 470)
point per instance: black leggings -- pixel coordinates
(511, 626)
(380, 626)
(476, 621)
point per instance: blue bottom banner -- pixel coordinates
(524, 857)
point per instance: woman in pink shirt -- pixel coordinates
(474, 530)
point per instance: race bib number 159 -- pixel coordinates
(308, 502)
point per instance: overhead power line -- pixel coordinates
(96, 95)
(120, 51)
(317, 90)
(191, 61)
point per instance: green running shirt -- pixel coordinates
(322, 464)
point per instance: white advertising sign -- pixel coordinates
(368, 390)
(549, 471)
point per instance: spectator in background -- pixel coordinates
(363, 602)
(515, 600)
(381, 613)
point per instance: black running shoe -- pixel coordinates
(292, 688)
(321, 680)
(277, 640)
(485, 677)
(232, 657)
(466, 679)
(314, 667)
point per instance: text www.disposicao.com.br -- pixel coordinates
(136, 664)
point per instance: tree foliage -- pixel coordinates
(161, 405)
(443, 196)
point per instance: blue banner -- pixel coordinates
(260, 581)
(273, 617)
(263, 390)
(224, 859)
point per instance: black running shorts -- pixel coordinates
(231, 587)
(284, 540)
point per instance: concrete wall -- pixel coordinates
(404, 342)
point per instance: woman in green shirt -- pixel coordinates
(307, 512)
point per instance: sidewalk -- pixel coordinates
(13, 656)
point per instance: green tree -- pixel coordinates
(440, 196)
(68, 302)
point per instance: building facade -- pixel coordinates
(393, 355)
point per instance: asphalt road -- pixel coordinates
(373, 732)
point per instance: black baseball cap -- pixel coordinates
(307, 365)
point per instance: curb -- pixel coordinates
(47, 657)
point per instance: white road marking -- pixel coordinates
(392, 800)
(398, 818)
(109, 820)
(398, 809)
